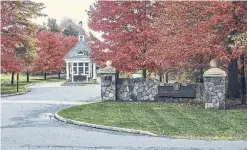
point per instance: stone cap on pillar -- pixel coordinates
(108, 68)
(214, 71)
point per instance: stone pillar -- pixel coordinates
(108, 82)
(215, 86)
(67, 71)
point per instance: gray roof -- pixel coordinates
(80, 46)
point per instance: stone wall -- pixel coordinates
(140, 89)
(212, 92)
(137, 89)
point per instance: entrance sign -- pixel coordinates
(176, 86)
(177, 91)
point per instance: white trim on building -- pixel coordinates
(80, 67)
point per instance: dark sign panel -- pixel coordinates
(183, 92)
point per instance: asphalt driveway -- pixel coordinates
(31, 126)
(56, 92)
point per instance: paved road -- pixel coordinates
(31, 126)
(53, 91)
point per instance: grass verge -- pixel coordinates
(168, 119)
(7, 88)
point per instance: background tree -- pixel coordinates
(27, 50)
(42, 27)
(240, 42)
(66, 43)
(16, 25)
(52, 25)
(52, 47)
(69, 27)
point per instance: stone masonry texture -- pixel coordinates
(139, 89)
(108, 87)
(214, 92)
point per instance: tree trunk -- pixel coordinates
(242, 80)
(27, 76)
(144, 73)
(161, 74)
(166, 77)
(12, 78)
(59, 74)
(201, 75)
(45, 76)
(233, 89)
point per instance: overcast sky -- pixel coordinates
(74, 9)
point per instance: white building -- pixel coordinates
(78, 64)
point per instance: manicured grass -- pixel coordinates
(7, 88)
(168, 119)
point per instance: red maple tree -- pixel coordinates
(199, 31)
(196, 32)
(125, 28)
(16, 24)
(52, 47)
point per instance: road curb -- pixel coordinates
(19, 93)
(102, 126)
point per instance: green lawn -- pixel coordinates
(168, 119)
(7, 88)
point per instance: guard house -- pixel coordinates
(79, 67)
